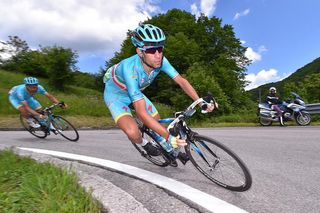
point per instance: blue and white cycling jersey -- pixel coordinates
(19, 93)
(124, 83)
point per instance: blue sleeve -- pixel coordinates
(130, 76)
(168, 68)
(41, 90)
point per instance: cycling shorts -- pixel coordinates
(33, 103)
(118, 102)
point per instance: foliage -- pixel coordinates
(81, 101)
(14, 46)
(305, 81)
(308, 88)
(28, 186)
(60, 63)
(202, 83)
(193, 42)
(55, 63)
(83, 79)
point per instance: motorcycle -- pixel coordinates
(293, 109)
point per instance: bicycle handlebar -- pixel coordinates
(209, 99)
(61, 104)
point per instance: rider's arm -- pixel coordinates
(189, 90)
(52, 98)
(186, 87)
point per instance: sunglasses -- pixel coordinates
(152, 50)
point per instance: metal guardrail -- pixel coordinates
(313, 108)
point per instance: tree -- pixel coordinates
(60, 63)
(197, 76)
(195, 42)
(311, 84)
(14, 46)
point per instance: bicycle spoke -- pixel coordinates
(160, 160)
(219, 164)
(38, 132)
(65, 128)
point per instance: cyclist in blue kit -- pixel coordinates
(125, 81)
(22, 98)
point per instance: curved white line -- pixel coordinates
(203, 199)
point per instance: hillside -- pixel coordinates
(298, 76)
(82, 101)
(86, 107)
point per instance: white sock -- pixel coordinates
(51, 126)
(144, 142)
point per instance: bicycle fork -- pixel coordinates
(199, 152)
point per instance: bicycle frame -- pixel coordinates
(213, 159)
(178, 127)
(48, 111)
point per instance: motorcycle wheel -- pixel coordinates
(303, 119)
(265, 122)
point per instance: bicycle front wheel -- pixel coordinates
(65, 128)
(219, 164)
(40, 132)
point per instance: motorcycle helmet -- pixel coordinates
(273, 90)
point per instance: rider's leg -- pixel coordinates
(25, 113)
(129, 126)
(279, 113)
(18, 105)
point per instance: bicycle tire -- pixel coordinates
(38, 132)
(65, 128)
(163, 159)
(224, 168)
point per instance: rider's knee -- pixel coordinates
(23, 111)
(133, 135)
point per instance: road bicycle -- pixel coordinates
(212, 158)
(52, 124)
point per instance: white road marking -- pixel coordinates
(202, 199)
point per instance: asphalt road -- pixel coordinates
(284, 163)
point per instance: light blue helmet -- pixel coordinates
(30, 81)
(147, 35)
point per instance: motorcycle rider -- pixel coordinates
(274, 101)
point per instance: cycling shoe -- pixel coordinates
(183, 157)
(151, 150)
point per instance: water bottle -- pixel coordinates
(163, 142)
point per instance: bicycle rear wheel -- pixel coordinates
(40, 132)
(160, 160)
(219, 164)
(65, 128)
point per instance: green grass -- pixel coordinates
(81, 101)
(28, 186)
